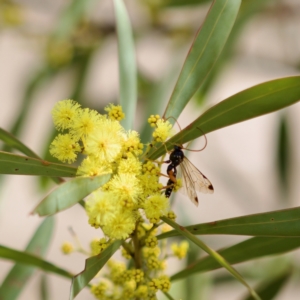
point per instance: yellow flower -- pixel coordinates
(156, 206)
(92, 167)
(162, 131)
(67, 248)
(99, 290)
(151, 241)
(150, 184)
(98, 245)
(132, 143)
(115, 112)
(119, 224)
(165, 283)
(151, 169)
(106, 141)
(64, 113)
(64, 148)
(141, 291)
(85, 123)
(98, 206)
(125, 186)
(130, 165)
(152, 120)
(180, 250)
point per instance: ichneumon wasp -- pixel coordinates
(192, 179)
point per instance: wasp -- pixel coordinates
(192, 179)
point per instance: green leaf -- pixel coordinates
(280, 223)
(247, 250)
(268, 290)
(283, 154)
(32, 260)
(44, 288)
(220, 260)
(256, 101)
(23, 165)
(14, 143)
(69, 193)
(92, 266)
(203, 54)
(127, 64)
(20, 274)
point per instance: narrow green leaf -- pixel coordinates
(92, 266)
(23, 165)
(268, 290)
(18, 276)
(203, 54)
(14, 143)
(127, 64)
(44, 288)
(69, 193)
(220, 260)
(280, 223)
(32, 260)
(283, 153)
(247, 250)
(256, 101)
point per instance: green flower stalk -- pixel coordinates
(129, 206)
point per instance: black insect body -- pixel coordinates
(176, 157)
(192, 179)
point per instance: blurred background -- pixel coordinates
(54, 50)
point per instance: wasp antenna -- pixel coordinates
(202, 147)
(175, 121)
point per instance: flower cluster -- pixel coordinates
(129, 206)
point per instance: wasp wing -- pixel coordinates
(192, 180)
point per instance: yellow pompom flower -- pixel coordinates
(171, 215)
(115, 112)
(106, 141)
(91, 166)
(138, 275)
(177, 185)
(116, 271)
(151, 169)
(142, 291)
(98, 245)
(126, 186)
(85, 123)
(130, 165)
(99, 290)
(64, 112)
(64, 148)
(151, 241)
(156, 206)
(150, 184)
(133, 143)
(154, 285)
(162, 131)
(165, 283)
(119, 224)
(98, 206)
(128, 290)
(152, 120)
(180, 250)
(67, 248)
